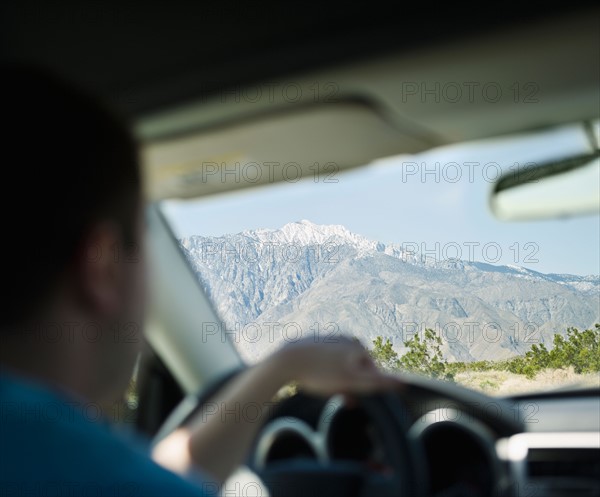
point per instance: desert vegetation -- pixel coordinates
(572, 359)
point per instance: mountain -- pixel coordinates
(275, 285)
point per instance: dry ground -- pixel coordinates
(506, 383)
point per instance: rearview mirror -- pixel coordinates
(564, 188)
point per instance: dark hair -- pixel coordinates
(67, 162)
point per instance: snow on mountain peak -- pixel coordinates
(305, 232)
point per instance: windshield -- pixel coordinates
(405, 255)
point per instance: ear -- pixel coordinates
(99, 269)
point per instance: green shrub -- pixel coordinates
(579, 349)
(424, 356)
(384, 355)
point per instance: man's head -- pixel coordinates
(71, 206)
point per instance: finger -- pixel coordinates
(350, 401)
(395, 381)
(359, 358)
(372, 382)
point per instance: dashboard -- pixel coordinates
(545, 445)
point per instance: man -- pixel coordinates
(73, 167)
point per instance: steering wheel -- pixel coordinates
(388, 414)
(404, 457)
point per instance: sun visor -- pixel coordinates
(281, 145)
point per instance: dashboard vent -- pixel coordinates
(554, 464)
(564, 472)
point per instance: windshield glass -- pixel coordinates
(405, 255)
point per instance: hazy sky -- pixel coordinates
(438, 212)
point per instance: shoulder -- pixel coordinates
(52, 446)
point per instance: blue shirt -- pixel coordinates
(53, 445)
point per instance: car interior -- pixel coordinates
(210, 86)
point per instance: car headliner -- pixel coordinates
(145, 57)
(165, 65)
